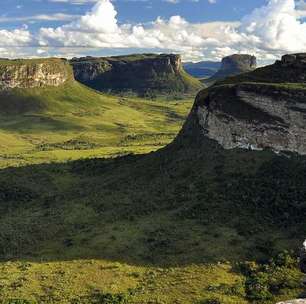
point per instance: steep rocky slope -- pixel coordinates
(143, 74)
(234, 65)
(33, 73)
(257, 110)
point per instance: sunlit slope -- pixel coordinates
(73, 121)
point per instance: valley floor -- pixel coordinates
(172, 227)
(77, 122)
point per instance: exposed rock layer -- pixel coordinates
(253, 115)
(236, 64)
(33, 73)
(135, 72)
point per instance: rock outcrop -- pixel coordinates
(234, 65)
(33, 73)
(139, 73)
(251, 113)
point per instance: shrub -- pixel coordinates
(210, 301)
(18, 301)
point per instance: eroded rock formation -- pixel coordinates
(33, 73)
(236, 64)
(248, 112)
(143, 72)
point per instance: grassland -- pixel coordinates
(175, 226)
(73, 122)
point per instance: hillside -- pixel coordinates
(202, 69)
(264, 109)
(45, 123)
(233, 65)
(194, 222)
(144, 74)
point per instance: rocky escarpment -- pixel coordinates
(235, 65)
(250, 113)
(33, 73)
(140, 73)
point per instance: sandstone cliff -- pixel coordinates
(251, 113)
(33, 73)
(234, 65)
(139, 73)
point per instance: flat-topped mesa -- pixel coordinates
(239, 62)
(293, 60)
(141, 72)
(90, 68)
(235, 65)
(33, 73)
(249, 112)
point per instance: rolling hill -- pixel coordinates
(43, 123)
(194, 222)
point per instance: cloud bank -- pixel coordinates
(268, 32)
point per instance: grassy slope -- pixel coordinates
(159, 228)
(153, 227)
(72, 122)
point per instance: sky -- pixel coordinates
(196, 29)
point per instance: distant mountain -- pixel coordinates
(233, 65)
(143, 74)
(202, 69)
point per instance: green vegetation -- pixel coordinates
(190, 223)
(144, 74)
(171, 226)
(29, 61)
(71, 122)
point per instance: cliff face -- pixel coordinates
(236, 64)
(33, 73)
(140, 73)
(253, 115)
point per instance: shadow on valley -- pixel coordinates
(181, 205)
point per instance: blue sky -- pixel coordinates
(131, 11)
(197, 29)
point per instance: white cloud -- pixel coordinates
(267, 32)
(15, 38)
(275, 27)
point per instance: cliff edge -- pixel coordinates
(263, 109)
(139, 73)
(234, 65)
(33, 73)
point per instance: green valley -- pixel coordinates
(72, 121)
(117, 199)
